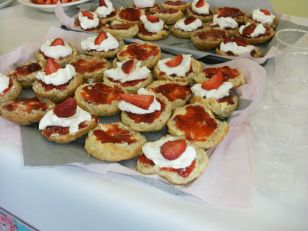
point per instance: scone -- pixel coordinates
(25, 74)
(197, 124)
(26, 111)
(131, 15)
(232, 75)
(114, 142)
(57, 49)
(208, 39)
(185, 26)
(228, 24)
(147, 53)
(256, 33)
(173, 158)
(105, 12)
(263, 16)
(88, 21)
(152, 28)
(178, 93)
(175, 4)
(180, 68)
(216, 95)
(91, 68)
(144, 112)
(121, 29)
(98, 98)
(231, 12)
(200, 9)
(10, 89)
(56, 83)
(129, 75)
(66, 122)
(169, 16)
(236, 46)
(104, 45)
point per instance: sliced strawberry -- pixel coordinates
(175, 61)
(87, 14)
(57, 42)
(189, 20)
(128, 66)
(239, 41)
(214, 82)
(249, 29)
(200, 3)
(266, 12)
(51, 66)
(142, 101)
(172, 150)
(66, 109)
(102, 3)
(152, 18)
(100, 37)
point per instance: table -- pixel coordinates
(70, 198)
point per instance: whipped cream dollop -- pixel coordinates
(259, 16)
(152, 151)
(179, 70)
(144, 3)
(4, 82)
(152, 27)
(51, 119)
(259, 30)
(189, 27)
(205, 9)
(224, 22)
(87, 23)
(220, 92)
(104, 11)
(61, 76)
(128, 107)
(235, 48)
(56, 52)
(119, 75)
(108, 44)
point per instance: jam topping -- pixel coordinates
(173, 91)
(28, 69)
(174, 3)
(128, 83)
(197, 124)
(189, 20)
(50, 130)
(239, 41)
(228, 99)
(120, 26)
(140, 51)
(212, 34)
(87, 66)
(183, 172)
(144, 31)
(6, 90)
(49, 87)
(227, 72)
(100, 93)
(114, 134)
(147, 118)
(130, 14)
(27, 105)
(249, 29)
(144, 160)
(229, 12)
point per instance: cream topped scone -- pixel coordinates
(105, 11)
(10, 89)
(57, 49)
(88, 21)
(66, 122)
(114, 142)
(104, 45)
(232, 12)
(237, 46)
(200, 9)
(264, 16)
(180, 68)
(173, 158)
(256, 33)
(228, 24)
(144, 111)
(217, 95)
(129, 74)
(185, 26)
(56, 83)
(152, 28)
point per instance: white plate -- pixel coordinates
(5, 3)
(49, 8)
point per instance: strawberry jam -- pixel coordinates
(147, 118)
(6, 90)
(130, 14)
(239, 41)
(227, 72)
(60, 130)
(227, 99)
(196, 123)
(144, 160)
(27, 69)
(128, 83)
(28, 105)
(144, 31)
(140, 51)
(174, 3)
(230, 12)
(212, 34)
(173, 91)
(120, 26)
(183, 172)
(49, 87)
(114, 134)
(100, 93)
(87, 66)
